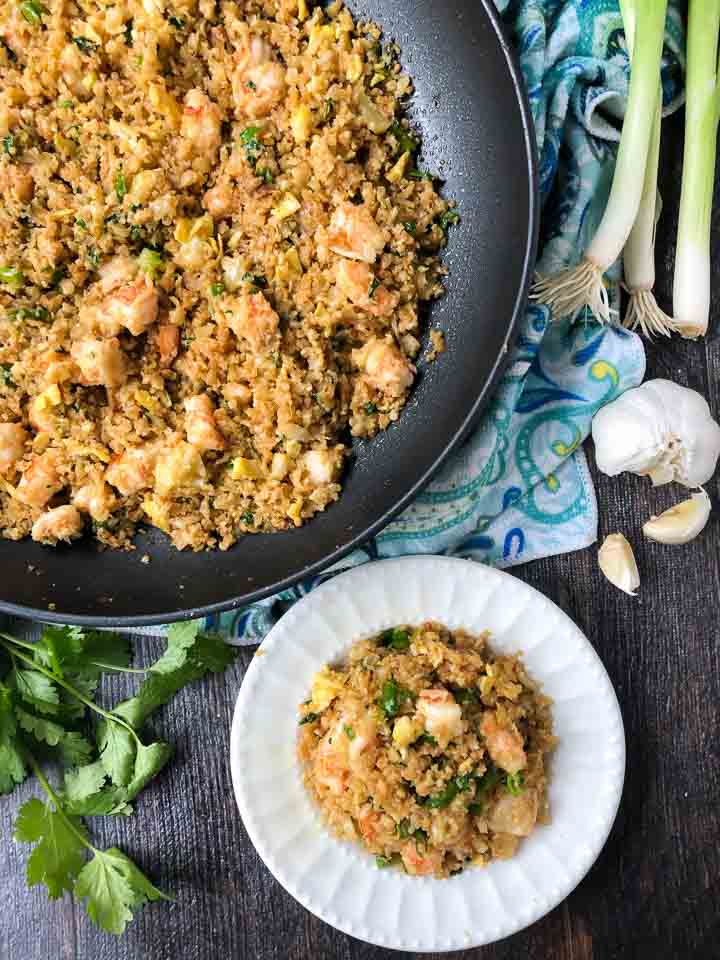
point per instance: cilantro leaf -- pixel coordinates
(57, 646)
(86, 795)
(208, 653)
(113, 887)
(36, 689)
(79, 653)
(74, 747)
(12, 766)
(117, 752)
(149, 761)
(180, 640)
(59, 855)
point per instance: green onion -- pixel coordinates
(395, 638)
(5, 375)
(81, 223)
(389, 698)
(57, 275)
(410, 226)
(251, 144)
(426, 738)
(247, 518)
(8, 143)
(370, 408)
(150, 262)
(374, 284)
(129, 33)
(256, 279)
(120, 185)
(176, 22)
(382, 862)
(32, 11)
(582, 287)
(643, 311)
(216, 289)
(349, 732)
(85, 45)
(515, 782)
(445, 798)
(403, 829)
(407, 143)
(327, 110)
(11, 55)
(29, 313)
(250, 85)
(264, 174)
(93, 258)
(466, 695)
(309, 718)
(691, 291)
(420, 175)
(66, 104)
(12, 277)
(448, 219)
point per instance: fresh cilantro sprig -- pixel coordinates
(47, 691)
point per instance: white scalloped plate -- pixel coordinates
(338, 881)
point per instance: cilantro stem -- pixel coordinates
(95, 663)
(5, 640)
(32, 763)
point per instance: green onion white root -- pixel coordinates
(583, 287)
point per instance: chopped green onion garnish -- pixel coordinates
(5, 376)
(176, 22)
(120, 185)
(93, 258)
(421, 175)
(85, 44)
(395, 638)
(410, 226)
(309, 718)
(515, 782)
(375, 283)
(449, 218)
(217, 288)
(247, 518)
(264, 174)
(32, 11)
(382, 862)
(370, 408)
(349, 732)
(150, 261)
(407, 143)
(81, 223)
(8, 143)
(66, 104)
(12, 277)
(327, 110)
(251, 144)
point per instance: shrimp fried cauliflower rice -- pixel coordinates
(214, 239)
(428, 749)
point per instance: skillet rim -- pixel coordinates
(193, 613)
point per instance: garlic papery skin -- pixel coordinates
(661, 430)
(681, 523)
(617, 562)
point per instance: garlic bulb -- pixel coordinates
(681, 523)
(617, 562)
(660, 430)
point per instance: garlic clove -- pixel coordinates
(681, 523)
(617, 562)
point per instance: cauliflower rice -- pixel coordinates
(214, 243)
(428, 749)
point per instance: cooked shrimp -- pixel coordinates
(331, 761)
(40, 481)
(353, 233)
(322, 466)
(251, 318)
(514, 815)
(61, 523)
(420, 862)
(440, 714)
(369, 824)
(385, 366)
(504, 744)
(219, 200)
(101, 362)
(168, 343)
(200, 427)
(118, 270)
(201, 122)
(258, 80)
(357, 282)
(12, 445)
(133, 306)
(133, 470)
(95, 498)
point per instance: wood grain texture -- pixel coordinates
(653, 891)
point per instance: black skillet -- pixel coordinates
(477, 135)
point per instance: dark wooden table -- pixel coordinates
(653, 893)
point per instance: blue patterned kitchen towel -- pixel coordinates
(520, 489)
